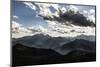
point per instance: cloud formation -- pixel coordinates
(30, 5)
(85, 12)
(16, 17)
(37, 28)
(63, 14)
(91, 18)
(73, 8)
(92, 11)
(63, 22)
(18, 28)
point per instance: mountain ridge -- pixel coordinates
(55, 43)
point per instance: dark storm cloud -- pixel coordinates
(70, 17)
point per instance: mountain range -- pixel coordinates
(57, 43)
(28, 50)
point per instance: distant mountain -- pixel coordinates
(42, 41)
(62, 45)
(77, 45)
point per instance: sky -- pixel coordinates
(30, 18)
(27, 14)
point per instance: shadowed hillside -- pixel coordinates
(23, 55)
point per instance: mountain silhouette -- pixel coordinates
(24, 55)
(78, 45)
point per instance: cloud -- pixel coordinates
(72, 18)
(91, 18)
(85, 12)
(44, 9)
(15, 17)
(18, 28)
(63, 9)
(73, 8)
(56, 29)
(38, 28)
(90, 15)
(15, 24)
(92, 11)
(63, 14)
(30, 5)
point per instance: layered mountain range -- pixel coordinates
(58, 44)
(43, 49)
